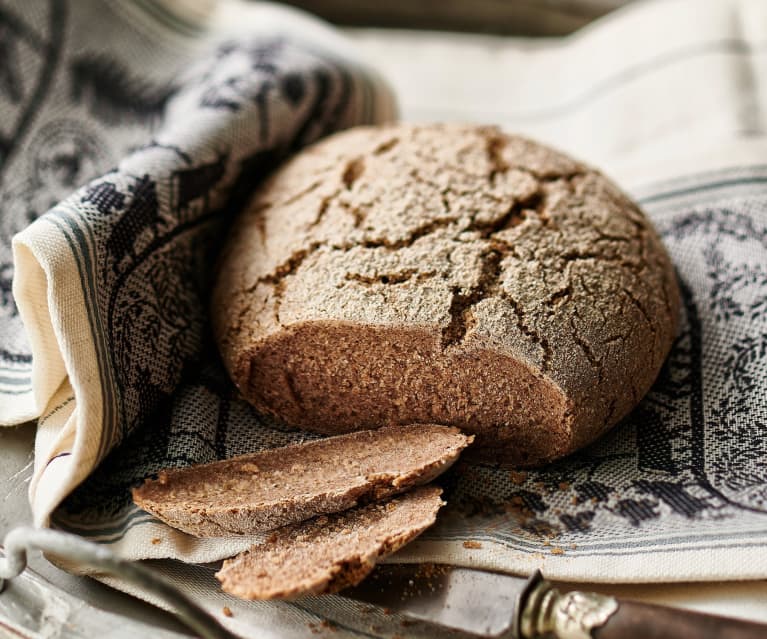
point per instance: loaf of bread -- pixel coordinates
(446, 274)
(265, 490)
(328, 553)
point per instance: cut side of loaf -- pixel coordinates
(329, 553)
(266, 490)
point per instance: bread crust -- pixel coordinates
(450, 274)
(263, 491)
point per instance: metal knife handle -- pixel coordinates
(87, 554)
(546, 612)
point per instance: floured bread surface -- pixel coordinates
(445, 274)
(265, 490)
(329, 553)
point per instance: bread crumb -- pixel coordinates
(249, 467)
(573, 546)
(227, 611)
(471, 544)
(557, 551)
(518, 477)
(546, 542)
(563, 485)
(156, 540)
(429, 571)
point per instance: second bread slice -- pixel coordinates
(263, 491)
(327, 554)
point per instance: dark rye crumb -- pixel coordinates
(327, 554)
(263, 491)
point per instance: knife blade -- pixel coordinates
(473, 601)
(490, 604)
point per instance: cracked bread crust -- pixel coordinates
(450, 274)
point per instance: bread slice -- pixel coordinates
(328, 553)
(266, 490)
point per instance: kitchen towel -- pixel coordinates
(110, 284)
(104, 324)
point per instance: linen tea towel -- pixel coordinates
(111, 284)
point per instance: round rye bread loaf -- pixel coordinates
(446, 274)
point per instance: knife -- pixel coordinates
(490, 604)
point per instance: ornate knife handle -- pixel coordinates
(546, 612)
(86, 554)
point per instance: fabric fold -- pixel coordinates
(112, 284)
